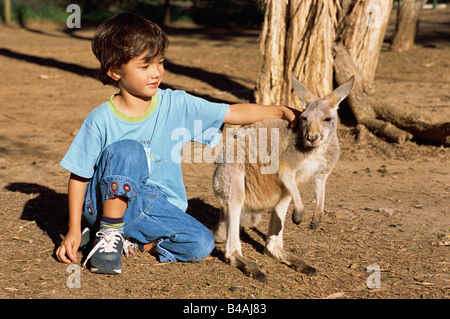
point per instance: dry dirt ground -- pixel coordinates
(386, 204)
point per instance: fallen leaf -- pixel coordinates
(335, 295)
(376, 290)
(424, 283)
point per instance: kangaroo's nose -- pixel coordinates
(312, 138)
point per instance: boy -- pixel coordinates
(124, 179)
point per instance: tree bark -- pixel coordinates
(362, 29)
(408, 17)
(298, 36)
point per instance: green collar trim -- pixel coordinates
(133, 119)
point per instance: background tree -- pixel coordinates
(327, 41)
(7, 11)
(407, 23)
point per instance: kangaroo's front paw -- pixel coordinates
(316, 221)
(297, 216)
(313, 224)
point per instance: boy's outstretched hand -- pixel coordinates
(291, 115)
(241, 114)
(67, 251)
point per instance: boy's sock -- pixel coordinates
(118, 224)
(139, 247)
(109, 222)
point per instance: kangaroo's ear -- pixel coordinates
(303, 93)
(339, 94)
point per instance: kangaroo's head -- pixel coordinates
(319, 118)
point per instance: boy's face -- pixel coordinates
(140, 77)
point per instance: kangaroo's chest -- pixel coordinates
(312, 164)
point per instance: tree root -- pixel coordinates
(379, 117)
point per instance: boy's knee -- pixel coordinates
(203, 246)
(127, 158)
(127, 147)
(194, 248)
(122, 170)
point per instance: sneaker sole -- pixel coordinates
(106, 271)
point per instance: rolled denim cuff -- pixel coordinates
(164, 255)
(118, 186)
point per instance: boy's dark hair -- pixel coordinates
(124, 37)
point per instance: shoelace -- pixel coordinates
(107, 243)
(128, 247)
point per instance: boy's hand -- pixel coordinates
(69, 247)
(291, 115)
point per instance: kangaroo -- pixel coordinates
(308, 151)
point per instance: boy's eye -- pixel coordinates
(144, 66)
(162, 61)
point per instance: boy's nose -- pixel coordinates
(155, 72)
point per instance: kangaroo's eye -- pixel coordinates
(327, 119)
(303, 118)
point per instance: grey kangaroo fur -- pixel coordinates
(308, 151)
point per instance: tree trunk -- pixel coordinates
(363, 26)
(167, 17)
(325, 40)
(298, 36)
(7, 11)
(408, 17)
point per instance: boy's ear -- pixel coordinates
(114, 74)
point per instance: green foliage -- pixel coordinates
(24, 10)
(206, 12)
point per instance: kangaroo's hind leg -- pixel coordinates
(233, 250)
(274, 243)
(220, 232)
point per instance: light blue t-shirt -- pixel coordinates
(173, 119)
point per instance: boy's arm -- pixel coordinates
(240, 114)
(70, 244)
